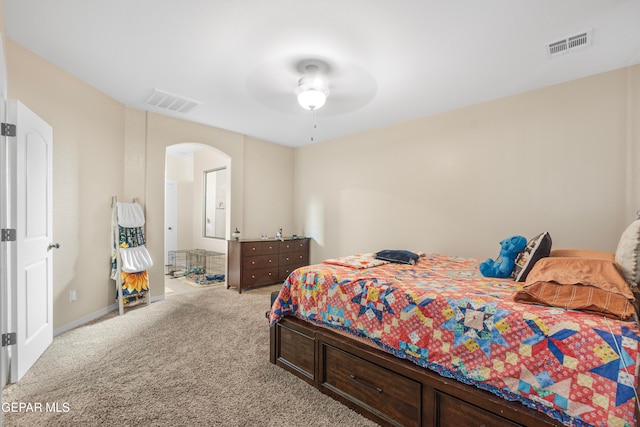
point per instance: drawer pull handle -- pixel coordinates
(376, 389)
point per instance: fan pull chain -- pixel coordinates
(313, 122)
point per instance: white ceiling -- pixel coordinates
(390, 61)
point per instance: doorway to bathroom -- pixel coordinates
(197, 217)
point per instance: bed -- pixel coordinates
(436, 343)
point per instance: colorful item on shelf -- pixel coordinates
(131, 237)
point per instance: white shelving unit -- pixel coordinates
(118, 263)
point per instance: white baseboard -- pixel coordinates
(93, 316)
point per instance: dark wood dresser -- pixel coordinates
(253, 263)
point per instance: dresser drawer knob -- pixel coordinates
(253, 262)
(269, 273)
(253, 248)
(269, 260)
(253, 277)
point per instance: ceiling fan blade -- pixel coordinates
(274, 85)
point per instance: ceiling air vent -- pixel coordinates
(169, 101)
(569, 44)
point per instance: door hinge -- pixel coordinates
(8, 234)
(9, 339)
(8, 129)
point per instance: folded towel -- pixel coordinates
(130, 215)
(131, 237)
(133, 283)
(135, 259)
(356, 261)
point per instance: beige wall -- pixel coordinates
(246, 174)
(103, 149)
(88, 153)
(268, 195)
(267, 192)
(562, 159)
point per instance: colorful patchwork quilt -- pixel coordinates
(442, 314)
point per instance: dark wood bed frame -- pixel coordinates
(398, 393)
(386, 389)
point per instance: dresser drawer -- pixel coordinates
(259, 277)
(252, 263)
(259, 248)
(294, 258)
(451, 410)
(295, 246)
(260, 261)
(379, 390)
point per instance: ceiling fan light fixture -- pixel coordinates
(312, 93)
(312, 99)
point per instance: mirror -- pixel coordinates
(215, 203)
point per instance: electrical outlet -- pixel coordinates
(73, 295)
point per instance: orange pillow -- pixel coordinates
(592, 285)
(583, 253)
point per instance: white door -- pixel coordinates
(4, 277)
(32, 287)
(170, 219)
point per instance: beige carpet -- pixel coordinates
(187, 281)
(201, 358)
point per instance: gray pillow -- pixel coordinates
(628, 252)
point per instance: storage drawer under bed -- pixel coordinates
(453, 411)
(388, 390)
(383, 392)
(295, 349)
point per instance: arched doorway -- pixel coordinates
(192, 252)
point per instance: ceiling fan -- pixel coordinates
(313, 87)
(288, 84)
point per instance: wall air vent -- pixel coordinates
(569, 44)
(169, 101)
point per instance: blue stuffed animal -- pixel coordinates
(503, 265)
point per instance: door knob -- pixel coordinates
(53, 246)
